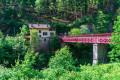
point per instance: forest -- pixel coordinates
(20, 59)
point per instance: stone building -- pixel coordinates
(44, 32)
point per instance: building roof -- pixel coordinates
(39, 26)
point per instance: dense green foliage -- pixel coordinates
(102, 22)
(84, 29)
(63, 58)
(11, 48)
(34, 39)
(24, 30)
(82, 52)
(55, 43)
(42, 60)
(101, 72)
(59, 71)
(75, 31)
(115, 40)
(15, 13)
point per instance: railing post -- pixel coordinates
(99, 53)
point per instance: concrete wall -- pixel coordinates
(99, 53)
(44, 44)
(45, 30)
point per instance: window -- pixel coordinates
(39, 31)
(44, 33)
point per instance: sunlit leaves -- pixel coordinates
(115, 41)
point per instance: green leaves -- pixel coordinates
(75, 31)
(55, 43)
(34, 40)
(62, 59)
(114, 54)
(10, 49)
(102, 22)
(24, 30)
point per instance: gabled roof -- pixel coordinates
(39, 26)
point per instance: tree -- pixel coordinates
(42, 5)
(34, 40)
(62, 57)
(1, 35)
(55, 43)
(24, 30)
(102, 22)
(10, 49)
(114, 54)
(84, 29)
(75, 31)
(100, 4)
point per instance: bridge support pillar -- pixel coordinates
(99, 53)
(63, 44)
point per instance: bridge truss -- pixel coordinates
(89, 38)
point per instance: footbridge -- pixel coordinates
(99, 42)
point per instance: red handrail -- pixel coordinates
(91, 35)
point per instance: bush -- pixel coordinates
(87, 72)
(114, 54)
(84, 29)
(42, 60)
(75, 31)
(23, 71)
(55, 43)
(53, 74)
(63, 58)
(34, 40)
(24, 30)
(102, 21)
(10, 48)
(81, 51)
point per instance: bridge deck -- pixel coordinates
(89, 38)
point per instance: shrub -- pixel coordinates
(55, 43)
(115, 40)
(102, 22)
(10, 48)
(62, 57)
(23, 71)
(42, 60)
(24, 30)
(53, 74)
(34, 40)
(75, 31)
(84, 29)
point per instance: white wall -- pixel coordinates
(48, 33)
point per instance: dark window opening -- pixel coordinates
(45, 33)
(39, 31)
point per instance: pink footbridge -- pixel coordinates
(99, 42)
(89, 38)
